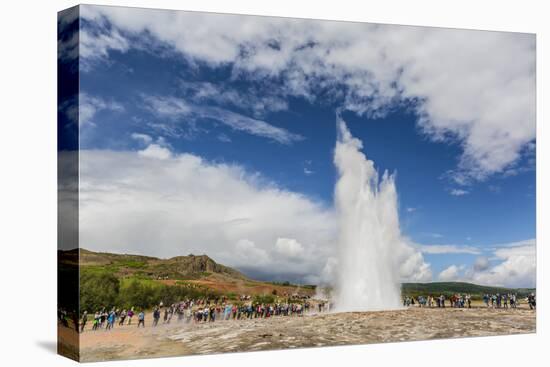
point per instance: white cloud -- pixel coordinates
(523, 243)
(511, 265)
(167, 106)
(412, 266)
(155, 151)
(90, 105)
(432, 234)
(481, 263)
(289, 247)
(308, 171)
(249, 125)
(448, 249)
(95, 46)
(224, 138)
(464, 83)
(411, 210)
(143, 138)
(176, 109)
(516, 266)
(67, 47)
(258, 102)
(248, 253)
(449, 274)
(459, 192)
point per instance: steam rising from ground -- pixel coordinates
(369, 240)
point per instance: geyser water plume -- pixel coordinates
(369, 238)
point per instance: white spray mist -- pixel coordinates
(369, 238)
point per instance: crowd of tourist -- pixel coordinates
(197, 311)
(206, 310)
(456, 300)
(509, 300)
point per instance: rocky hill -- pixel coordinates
(179, 267)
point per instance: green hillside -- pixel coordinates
(177, 268)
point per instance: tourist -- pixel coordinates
(532, 301)
(226, 311)
(171, 311)
(62, 316)
(141, 318)
(122, 317)
(83, 321)
(110, 320)
(188, 315)
(156, 316)
(102, 318)
(180, 310)
(97, 316)
(486, 300)
(130, 315)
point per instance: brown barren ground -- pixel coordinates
(329, 329)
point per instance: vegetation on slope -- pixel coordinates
(178, 268)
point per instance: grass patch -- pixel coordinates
(133, 264)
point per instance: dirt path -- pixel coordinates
(128, 342)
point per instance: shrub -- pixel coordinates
(103, 289)
(98, 290)
(264, 298)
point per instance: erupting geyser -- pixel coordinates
(369, 238)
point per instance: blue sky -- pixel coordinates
(464, 183)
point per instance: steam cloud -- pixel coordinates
(369, 239)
